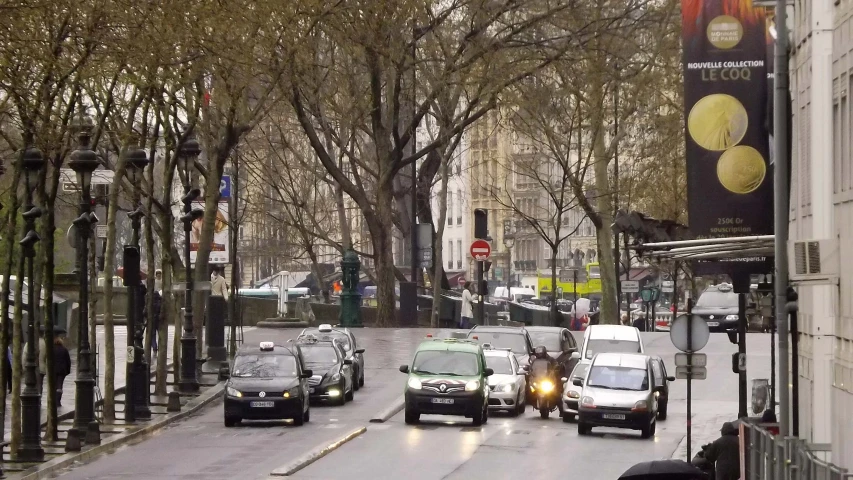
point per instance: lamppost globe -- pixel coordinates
(137, 160)
(32, 163)
(187, 155)
(84, 160)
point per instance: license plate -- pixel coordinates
(713, 324)
(310, 390)
(447, 401)
(613, 416)
(262, 404)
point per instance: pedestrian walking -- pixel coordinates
(61, 366)
(467, 315)
(725, 453)
(218, 285)
(156, 304)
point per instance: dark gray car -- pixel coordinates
(718, 307)
(327, 332)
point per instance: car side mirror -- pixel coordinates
(670, 379)
(224, 373)
(577, 382)
(307, 374)
(404, 368)
(489, 372)
(576, 355)
(360, 350)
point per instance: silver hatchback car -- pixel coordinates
(618, 391)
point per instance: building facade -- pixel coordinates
(822, 209)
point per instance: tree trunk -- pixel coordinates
(17, 360)
(7, 247)
(49, 261)
(381, 234)
(555, 320)
(438, 259)
(109, 269)
(429, 169)
(607, 263)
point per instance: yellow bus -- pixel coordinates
(588, 282)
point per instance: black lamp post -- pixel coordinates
(31, 449)
(187, 155)
(84, 161)
(138, 387)
(509, 242)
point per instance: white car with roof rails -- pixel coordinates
(508, 384)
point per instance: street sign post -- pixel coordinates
(691, 373)
(630, 286)
(667, 286)
(481, 250)
(695, 359)
(689, 333)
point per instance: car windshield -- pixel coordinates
(549, 340)
(580, 370)
(501, 365)
(717, 299)
(514, 341)
(329, 336)
(443, 362)
(319, 354)
(264, 366)
(619, 378)
(601, 345)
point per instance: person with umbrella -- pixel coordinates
(664, 470)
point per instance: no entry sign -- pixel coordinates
(480, 250)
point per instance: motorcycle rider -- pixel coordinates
(543, 365)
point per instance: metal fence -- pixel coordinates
(770, 457)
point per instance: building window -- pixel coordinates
(459, 207)
(450, 252)
(459, 248)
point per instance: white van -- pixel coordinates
(514, 294)
(609, 339)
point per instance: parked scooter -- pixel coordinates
(699, 461)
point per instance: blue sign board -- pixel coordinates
(225, 187)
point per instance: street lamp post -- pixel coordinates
(84, 161)
(136, 395)
(187, 155)
(31, 449)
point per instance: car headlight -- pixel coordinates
(233, 392)
(472, 385)
(509, 387)
(414, 383)
(641, 406)
(588, 402)
(546, 386)
(731, 317)
(335, 378)
(293, 392)
(573, 394)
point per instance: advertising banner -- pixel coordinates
(220, 248)
(729, 178)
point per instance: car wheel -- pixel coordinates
(480, 417)
(351, 394)
(648, 431)
(299, 420)
(522, 404)
(412, 418)
(231, 421)
(307, 416)
(662, 410)
(544, 413)
(583, 429)
(355, 384)
(568, 417)
(361, 380)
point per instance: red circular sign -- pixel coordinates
(480, 250)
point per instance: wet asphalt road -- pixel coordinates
(440, 448)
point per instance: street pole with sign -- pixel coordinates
(690, 334)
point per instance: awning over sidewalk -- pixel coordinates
(740, 248)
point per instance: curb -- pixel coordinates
(315, 454)
(47, 469)
(389, 412)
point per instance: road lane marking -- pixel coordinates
(315, 454)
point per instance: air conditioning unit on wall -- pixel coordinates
(814, 261)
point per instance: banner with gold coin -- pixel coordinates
(729, 181)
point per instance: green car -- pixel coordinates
(448, 377)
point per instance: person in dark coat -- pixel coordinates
(156, 303)
(61, 366)
(725, 453)
(640, 323)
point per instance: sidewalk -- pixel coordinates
(69, 387)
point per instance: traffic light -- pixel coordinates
(487, 266)
(481, 223)
(130, 263)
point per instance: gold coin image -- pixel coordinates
(741, 169)
(717, 122)
(724, 32)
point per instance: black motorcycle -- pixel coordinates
(699, 461)
(546, 390)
